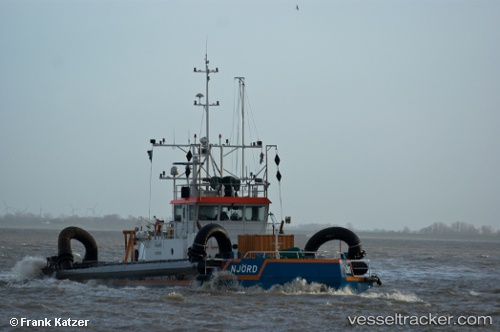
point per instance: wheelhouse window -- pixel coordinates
(178, 213)
(183, 212)
(231, 212)
(208, 212)
(255, 213)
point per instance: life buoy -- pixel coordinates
(65, 254)
(336, 233)
(198, 252)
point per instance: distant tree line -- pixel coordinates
(456, 228)
(108, 222)
(114, 221)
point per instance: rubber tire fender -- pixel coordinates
(336, 233)
(198, 250)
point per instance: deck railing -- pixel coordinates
(282, 254)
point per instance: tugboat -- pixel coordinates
(220, 223)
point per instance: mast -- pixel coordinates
(241, 81)
(207, 105)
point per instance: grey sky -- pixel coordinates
(386, 113)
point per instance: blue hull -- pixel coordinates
(334, 273)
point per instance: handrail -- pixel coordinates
(246, 190)
(367, 265)
(273, 254)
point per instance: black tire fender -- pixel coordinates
(336, 233)
(198, 250)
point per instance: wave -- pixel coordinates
(300, 286)
(221, 281)
(174, 296)
(29, 268)
(224, 281)
(395, 296)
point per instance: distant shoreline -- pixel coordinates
(410, 236)
(440, 237)
(299, 231)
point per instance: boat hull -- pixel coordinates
(179, 269)
(265, 273)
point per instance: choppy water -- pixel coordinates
(421, 278)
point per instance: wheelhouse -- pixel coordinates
(237, 214)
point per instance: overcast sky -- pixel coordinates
(386, 113)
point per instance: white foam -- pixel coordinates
(300, 286)
(26, 269)
(221, 281)
(396, 296)
(175, 297)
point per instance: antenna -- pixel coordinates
(207, 104)
(241, 81)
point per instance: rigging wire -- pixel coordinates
(236, 124)
(150, 181)
(250, 119)
(200, 133)
(279, 189)
(249, 113)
